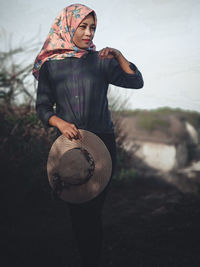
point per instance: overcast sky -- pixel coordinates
(162, 37)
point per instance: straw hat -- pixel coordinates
(79, 170)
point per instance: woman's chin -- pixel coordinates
(83, 46)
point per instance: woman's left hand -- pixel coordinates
(109, 52)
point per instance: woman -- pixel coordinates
(75, 77)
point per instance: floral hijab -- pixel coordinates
(59, 44)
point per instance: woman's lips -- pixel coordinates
(86, 40)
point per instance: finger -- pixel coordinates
(76, 131)
(102, 52)
(73, 135)
(68, 136)
(107, 51)
(76, 134)
(79, 135)
(73, 126)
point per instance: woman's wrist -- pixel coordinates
(118, 54)
(125, 64)
(55, 121)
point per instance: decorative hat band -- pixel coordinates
(59, 184)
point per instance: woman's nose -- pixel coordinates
(88, 31)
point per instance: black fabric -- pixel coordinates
(78, 87)
(86, 218)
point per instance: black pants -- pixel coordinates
(86, 218)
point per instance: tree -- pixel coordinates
(15, 73)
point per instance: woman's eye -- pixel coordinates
(84, 27)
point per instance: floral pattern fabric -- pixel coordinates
(59, 44)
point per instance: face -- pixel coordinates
(84, 33)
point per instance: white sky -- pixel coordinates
(162, 37)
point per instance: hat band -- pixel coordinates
(59, 184)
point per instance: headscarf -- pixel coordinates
(59, 44)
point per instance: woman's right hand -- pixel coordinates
(69, 130)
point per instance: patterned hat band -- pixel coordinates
(59, 184)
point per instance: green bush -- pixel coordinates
(24, 150)
(155, 118)
(150, 121)
(125, 175)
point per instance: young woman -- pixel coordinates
(75, 77)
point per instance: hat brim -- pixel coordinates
(102, 172)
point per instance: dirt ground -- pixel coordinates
(147, 223)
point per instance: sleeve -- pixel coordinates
(117, 76)
(45, 98)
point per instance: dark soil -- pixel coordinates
(147, 223)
